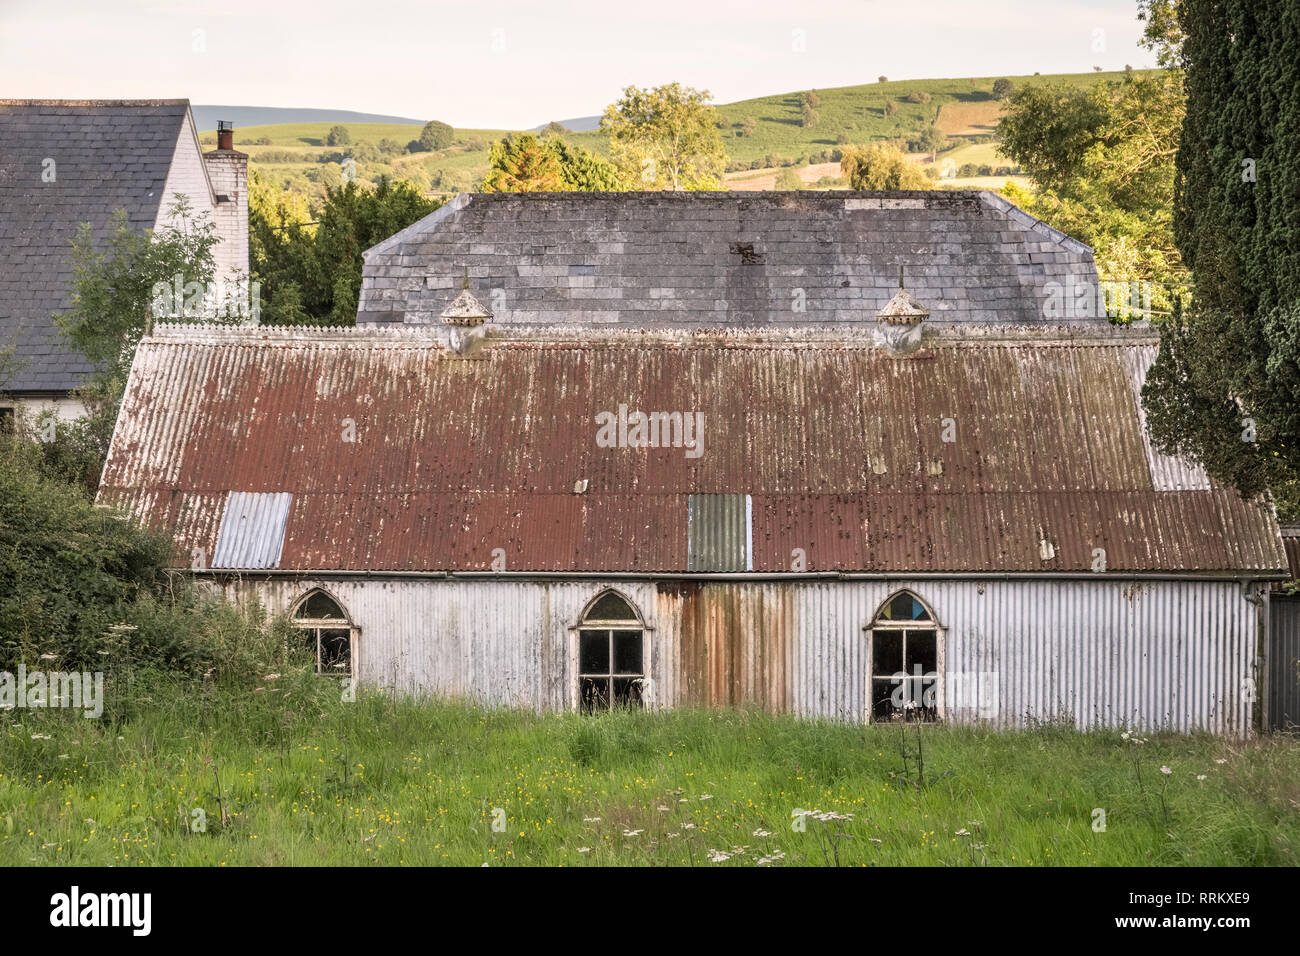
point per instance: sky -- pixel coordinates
(515, 64)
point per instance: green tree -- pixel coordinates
(1163, 34)
(120, 287)
(553, 129)
(585, 171)
(1225, 388)
(1103, 161)
(1002, 88)
(881, 166)
(435, 136)
(666, 137)
(337, 136)
(808, 117)
(521, 164)
(312, 274)
(748, 126)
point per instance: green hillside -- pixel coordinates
(295, 157)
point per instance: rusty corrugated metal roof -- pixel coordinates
(980, 455)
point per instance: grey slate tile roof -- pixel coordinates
(108, 155)
(698, 260)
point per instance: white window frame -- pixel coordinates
(940, 647)
(329, 624)
(599, 624)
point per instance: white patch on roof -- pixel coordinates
(252, 530)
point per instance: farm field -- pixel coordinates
(288, 774)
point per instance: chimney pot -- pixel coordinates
(225, 134)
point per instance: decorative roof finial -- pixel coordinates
(465, 309)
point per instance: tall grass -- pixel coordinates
(285, 771)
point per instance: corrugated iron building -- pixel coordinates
(817, 512)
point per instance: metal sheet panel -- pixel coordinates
(402, 458)
(1284, 663)
(1162, 654)
(251, 534)
(719, 535)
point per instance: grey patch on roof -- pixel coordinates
(720, 533)
(650, 260)
(251, 535)
(108, 155)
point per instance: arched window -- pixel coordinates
(327, 630)
(904, 679)
(611, 654)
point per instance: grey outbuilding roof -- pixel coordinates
(717, 259)
(96, 156)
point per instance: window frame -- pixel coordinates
(317, 625)
(883, 624)
(636, 623)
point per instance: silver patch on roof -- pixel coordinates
(720, 533)
(252, 530)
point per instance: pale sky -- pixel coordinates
(515, 64)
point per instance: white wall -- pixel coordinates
(1179, 655)
(66, 407)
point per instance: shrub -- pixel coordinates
(337, 136)
(918, 96)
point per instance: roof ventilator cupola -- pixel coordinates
(464, 319)
(901, 319)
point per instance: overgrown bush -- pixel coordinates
(85, 588)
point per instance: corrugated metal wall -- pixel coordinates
(1284, 663)
(1178, 655)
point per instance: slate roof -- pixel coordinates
(391, 453)
(108, 155)
(665, 260)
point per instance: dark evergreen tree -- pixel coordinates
(1225, 388)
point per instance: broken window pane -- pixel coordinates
(335, 652)
(627, 692)
(594, 694)
(922, 651)
(627, 652)
(887, 653)
(593, 652)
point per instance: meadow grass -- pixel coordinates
(288, 774)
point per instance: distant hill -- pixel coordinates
(582, 124)
(206, 116)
